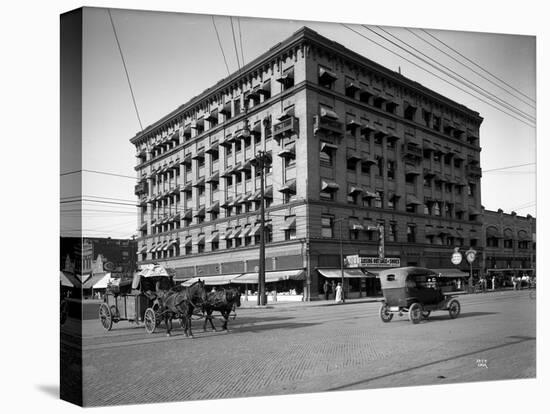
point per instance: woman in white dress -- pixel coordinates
(338, 297)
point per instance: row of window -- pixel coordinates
(364, 94)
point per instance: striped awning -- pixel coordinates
(273, 276)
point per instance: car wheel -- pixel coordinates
(415, 313)
(454, 308)
(385, 314)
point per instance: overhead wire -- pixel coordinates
(470, 68)
(98, 172)
(436, 75)
(235, 43)
(480, 67)
(241, 39)
(221, 47)
(125, 69)
(455, 75)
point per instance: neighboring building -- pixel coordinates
(509, 247)
(355, 148)
(89, 256)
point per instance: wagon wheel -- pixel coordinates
(415, 313)
(150, 320)
(115, 314)
(426, 314)
(385, 314)
(105, 317)
(454, 308)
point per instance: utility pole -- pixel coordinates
(261, 271)
(342, 261)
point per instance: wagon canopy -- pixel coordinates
(151, 270)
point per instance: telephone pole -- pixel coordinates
(261, 158)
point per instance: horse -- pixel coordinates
(223, 301)
(181, 301)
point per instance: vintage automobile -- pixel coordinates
(416, 291)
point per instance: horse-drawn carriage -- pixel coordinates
(151, 298)
(154, 298)
(416, 291)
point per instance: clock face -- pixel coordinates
(470, 256)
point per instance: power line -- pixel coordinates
(125, 69)
(220, 45)
(99, 172)
(235, 43)
(480, 67)
(96, 201)
(468, 67)
(437, 76)
(464, 81)
(241, 39)
(100, 197)
(509, 167)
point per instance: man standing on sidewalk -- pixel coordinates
(326, 288)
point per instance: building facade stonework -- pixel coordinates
(354, 148)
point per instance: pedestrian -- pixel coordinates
(484, 284)
(338, 294)
(459, 284)
(333, 289)
(494, 282)
(514, 282)
(326, 288)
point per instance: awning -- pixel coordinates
(427, 145)
(354, 155)
(200, 182)
(411, 170)
(355, 224)
(200, 212)
(214, 237)
(289, 187)
(337, 273)
(369, 194)
(256, 230)
(355, 189)
(290, 223)
(214, 208)
(200, 239)
(411, 199)
(246, 231)
(268, 192)
(352, 123)
(329, 186)
(234, 234)
(214, 178)
(327, 74)
(271, 277)
(187, 242)
(216, 280)
(325, 146)
(142, 250)
(68, 280)
(288, 151)
(289, 112)
(188, 214)
(103, 282)
(328, 113)
(451, 272)
(473, 212)
(92, 281)
(199, 154)
(152, 248)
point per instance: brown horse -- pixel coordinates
(223, 301)
(181, 302)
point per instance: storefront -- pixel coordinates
(355, 281)
(280, 285)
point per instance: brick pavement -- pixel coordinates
(310, 347)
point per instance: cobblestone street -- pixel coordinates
(311, 347)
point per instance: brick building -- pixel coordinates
(509, 244)
(360, 154)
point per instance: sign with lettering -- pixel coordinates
(357, 261)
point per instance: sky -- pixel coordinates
(172, 57)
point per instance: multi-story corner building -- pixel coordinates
(360, 155)
(509, 245)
